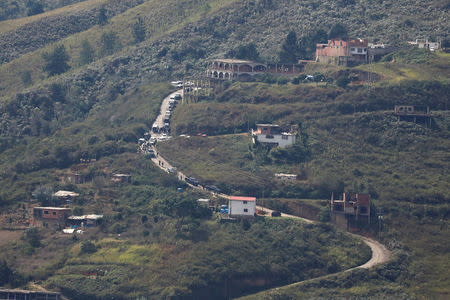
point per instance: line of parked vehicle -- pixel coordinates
(165, 129)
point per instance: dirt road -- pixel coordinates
(380, 254)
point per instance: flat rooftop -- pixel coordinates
(267, 125)
(233, 61)
(239, 198)
(52, 208)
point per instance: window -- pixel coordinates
(45, 212)
(284, 137)
(359, 50)
(352, 49)
(244, 202)
(54, 213)
(245, 210)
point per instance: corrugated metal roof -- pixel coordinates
(268, 125)
(65, 194)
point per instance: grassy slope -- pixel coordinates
(115, 125)
(168, 265)
(399, 163)
(161, 20)
(182, 256)
(9, 25)
(436, 68)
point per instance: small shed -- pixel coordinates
(65, 194)
(91, 220)
(121, 178)
(286, 177)
(76, 178)
(242, 206)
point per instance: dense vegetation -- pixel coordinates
(356, 120)
(11, 9)
(356, 145)
(187, 258)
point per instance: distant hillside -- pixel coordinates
(97, 110)
(182, 35)
(48, 29)
(12, 9)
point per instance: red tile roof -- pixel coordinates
(238, 198)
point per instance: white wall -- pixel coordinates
(277, 138)
(236, 208)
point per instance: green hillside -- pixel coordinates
(156, 242)
(356, 144)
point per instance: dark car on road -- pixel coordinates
(212, 188)
(276, 214)
(192, 181)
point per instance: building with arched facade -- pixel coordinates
(244, 70)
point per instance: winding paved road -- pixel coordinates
(380, 254)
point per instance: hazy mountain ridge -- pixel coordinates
(37, 34)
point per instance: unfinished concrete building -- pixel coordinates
(50, 216)
(411, 113)
(244, 70)
(10, 294)
(351, 210)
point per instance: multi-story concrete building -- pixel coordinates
(342, 52)
(55, 216)
(241, 206)
(349, 211)
(244, 70)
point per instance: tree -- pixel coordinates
(57, 92)
(87, 247)
(338, 31)
(342, 81)
(86, 53)
(6, 274)
(33, 237)
(102, 17)
(307, 43)
(289, 49)
(248, 51)
(139, 31)
(110, 43)
(34, 8)
(56, 61)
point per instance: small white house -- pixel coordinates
(286, 177)
(271, 134)
(241, 206)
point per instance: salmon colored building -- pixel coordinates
(342, 52)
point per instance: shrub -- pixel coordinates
(32, 237)
(282, 81)
(87, 247)
(342, 81)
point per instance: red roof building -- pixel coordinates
(241, 206)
